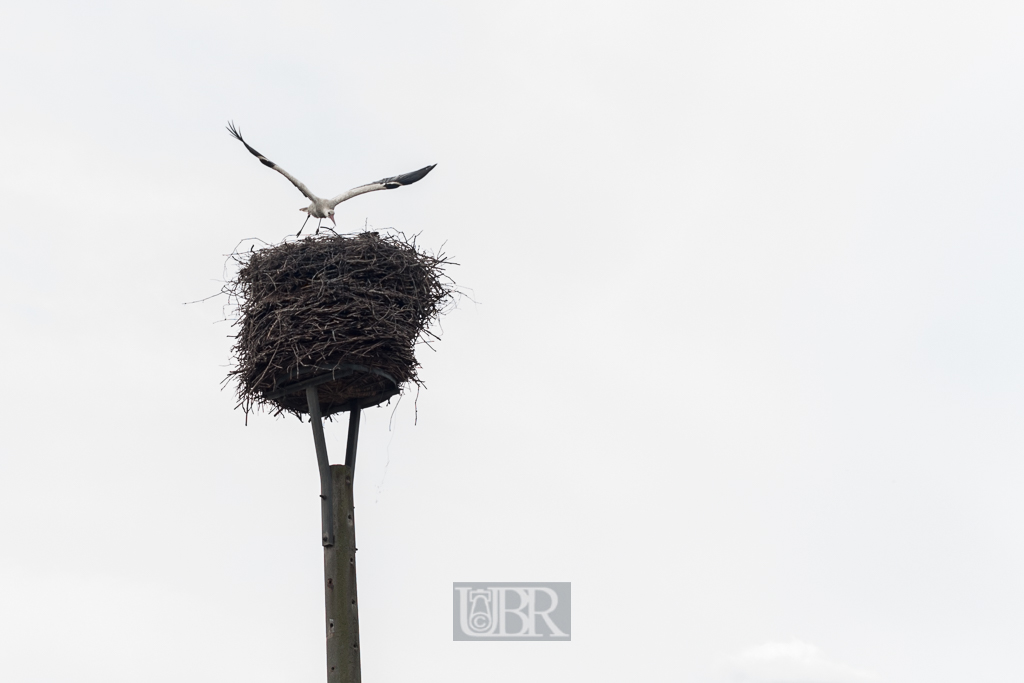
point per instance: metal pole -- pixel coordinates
(326, 508)
(340, 590)
(353, 438)
(339, 540)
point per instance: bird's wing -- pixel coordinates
(383, 184)
(267, 162)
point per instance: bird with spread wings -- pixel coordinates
(324, 208)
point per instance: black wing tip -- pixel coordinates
(410, 178)
(235, 133)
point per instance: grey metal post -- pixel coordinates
(353, 438)
(326, 508)
(339, 540)
(340, 589)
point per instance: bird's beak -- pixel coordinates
(332, 221)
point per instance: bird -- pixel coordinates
(324, 208)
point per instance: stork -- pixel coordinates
(324, 208)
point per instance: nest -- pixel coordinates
(345, 309)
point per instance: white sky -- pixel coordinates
(745, 368)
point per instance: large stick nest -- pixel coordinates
(325, 304)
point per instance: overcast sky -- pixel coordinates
(742, 360)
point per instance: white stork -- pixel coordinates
(324, 208)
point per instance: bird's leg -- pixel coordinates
(303, 225)
(318, 226)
